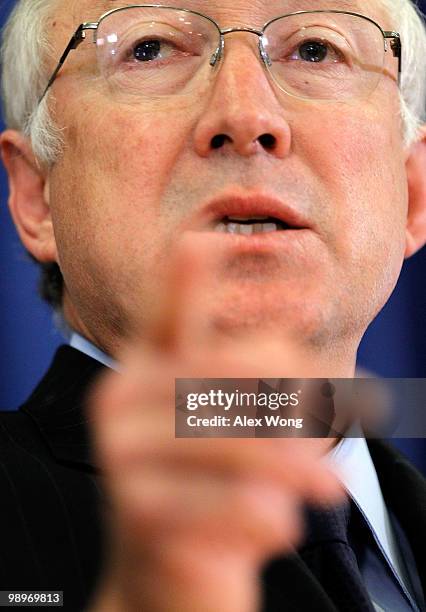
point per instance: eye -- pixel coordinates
(147, 50)
(315, 51)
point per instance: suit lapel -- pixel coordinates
(404, 491)
(58, 406)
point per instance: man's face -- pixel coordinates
(136, 171)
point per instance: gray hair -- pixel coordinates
(25, 49)
(409, 22)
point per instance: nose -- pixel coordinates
(243, 114)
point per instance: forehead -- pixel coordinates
(234, 12)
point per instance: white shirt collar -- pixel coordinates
(86, 347)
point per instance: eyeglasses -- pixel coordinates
(154, 51)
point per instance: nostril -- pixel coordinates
(219, 140)
(268, 141)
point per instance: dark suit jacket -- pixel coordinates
(51, 502)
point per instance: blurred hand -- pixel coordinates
(193, 520)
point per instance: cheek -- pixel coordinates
(108, 190)
(354, 155)
(131, 154)
(122, 161)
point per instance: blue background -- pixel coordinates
(394, 346)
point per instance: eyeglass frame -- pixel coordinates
(80, 35)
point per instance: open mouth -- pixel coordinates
(247, 226)
(250, 215)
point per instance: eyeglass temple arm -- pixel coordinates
(76, 39)
(396, 47)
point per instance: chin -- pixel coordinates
(300, 320)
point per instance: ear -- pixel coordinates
(416, 178)
(28, 196)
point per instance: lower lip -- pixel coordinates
(283, 240)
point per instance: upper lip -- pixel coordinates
(252, 205)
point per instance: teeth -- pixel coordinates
(244, 229)
(270, 227)
(247, 230)
(233, 228)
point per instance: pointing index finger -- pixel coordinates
(182, 315)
